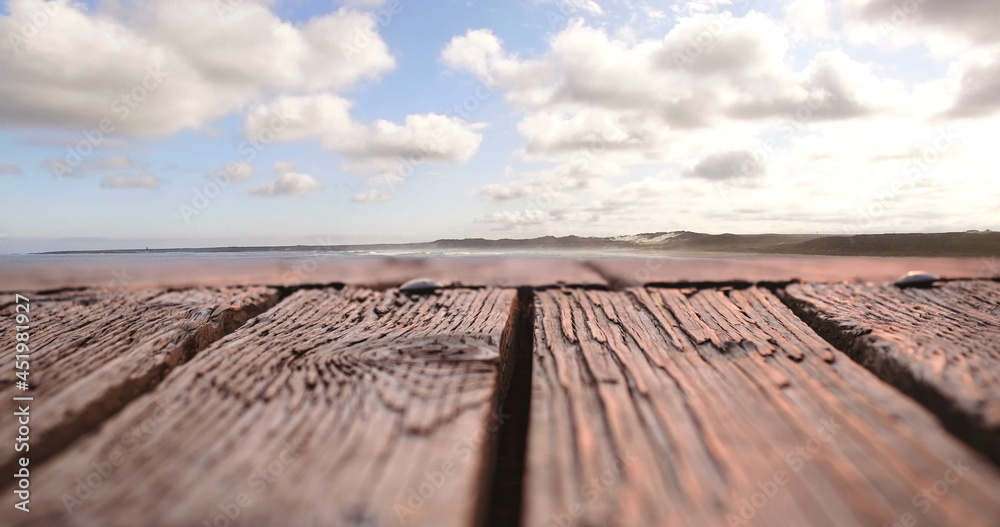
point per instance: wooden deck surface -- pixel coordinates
(543, 398)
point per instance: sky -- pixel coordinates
(233, 122)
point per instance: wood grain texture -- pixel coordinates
(631, 272)
(95, 350)
(940, 345)
(720, 407)
(350, 407)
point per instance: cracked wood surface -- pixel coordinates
(632, 272)
(349, 407)
(720, 407)
(940, 345)
(93, 351)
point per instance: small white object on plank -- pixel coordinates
(917, 279)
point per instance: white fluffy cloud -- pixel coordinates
(725, 166)
(234, 172)
(380, 148)
(550, 184)
(729, 113)
(240, 171)
(371, 196)
(810, 18)
(128, 181)
(158, 67)
(977, 92)
(965, 22)
(288, 183)
(706, 70)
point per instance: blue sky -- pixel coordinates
(588, 117)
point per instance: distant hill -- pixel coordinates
(982, 244)
(972, 244)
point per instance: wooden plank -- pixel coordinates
(939, 345)
(350, 407)
(93, 351)
(622, 273)
(720, 407)
(26, 273)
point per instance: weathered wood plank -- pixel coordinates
(939, 345)
(716, 407)
(349, 407)
(93, 351)
(380, 273)
(631, 272)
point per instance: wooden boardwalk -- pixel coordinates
(524, 393)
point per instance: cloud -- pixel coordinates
(968, 21)
(10, 169)
(714, 88)
(726, 166)
(379, 148)
(371, 196)
(429, 138)
(978, 92)
(697, 7)
(707, 70)
(237, 171)
(240, 171)
(547, 185)
(108, 163)
(326, 117)
(586, 6)
(137, 64)
(88, 165)
(514, 218)
(809, 17)
(288, 183)
(127, 181)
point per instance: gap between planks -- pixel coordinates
(504, 474)
(500, 458)
(931, 344)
